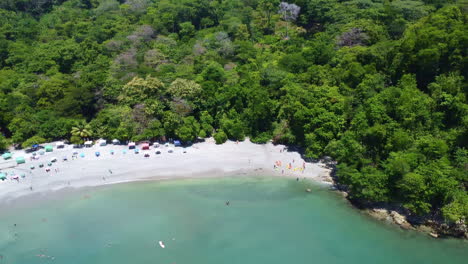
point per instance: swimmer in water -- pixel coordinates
(227, 203)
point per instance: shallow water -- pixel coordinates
(269, 220)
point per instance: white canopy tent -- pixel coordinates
(60, 144)
(115, 141)
(102, 142)
(88, 143)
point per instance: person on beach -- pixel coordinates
(110, 171)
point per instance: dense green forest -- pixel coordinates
(378, 85)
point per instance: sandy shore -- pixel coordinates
(200, 160)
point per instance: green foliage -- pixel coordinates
(380, 86)
(3, 142)
(220, 137)
(33, 140)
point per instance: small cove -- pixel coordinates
(268, 220)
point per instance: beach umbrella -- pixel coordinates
(82, 155)
(158, 152)
(34, 154)
(137, 151)
(41, 152)
(170, 150)
(75, 152)
(112, 152)
(97, 153)
(6, 155)
(20, 160)
(32, 167)
(54, 159)
(65, 158)
(49, 148)
(41, 165)
(49, 164)
(124, 151)
(2, 176)
(23, 175)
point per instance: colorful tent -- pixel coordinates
(20, 160)
(145, 146)
(49, 148)
(177, 143)
(131, 145)
(6, 155)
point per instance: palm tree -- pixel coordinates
(82, 130)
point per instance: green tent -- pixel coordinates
(49, 148)
(6, 156)
(20, 160)
(2, 176)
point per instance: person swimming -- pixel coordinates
(227, 203)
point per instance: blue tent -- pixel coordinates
(177, 143)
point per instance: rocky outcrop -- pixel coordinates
(432, 224)
(390, 216)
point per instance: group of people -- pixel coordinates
(278, 164)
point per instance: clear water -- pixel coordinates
(269, 220)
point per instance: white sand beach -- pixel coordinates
(204, 159)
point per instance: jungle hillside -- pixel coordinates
(380, 86)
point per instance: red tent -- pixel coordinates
(145, 146)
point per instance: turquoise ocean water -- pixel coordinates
(269, 220)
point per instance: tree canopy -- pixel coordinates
(380, 86)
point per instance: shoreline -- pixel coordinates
(201, 160)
